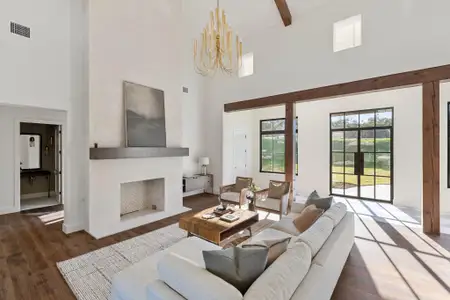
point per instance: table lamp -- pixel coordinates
(204, 161)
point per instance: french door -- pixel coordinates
(361, 154)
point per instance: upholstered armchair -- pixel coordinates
(274, 199)
(236, 193)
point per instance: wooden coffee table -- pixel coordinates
(216, 230)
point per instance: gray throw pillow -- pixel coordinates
(313, 195)
(239, 267)
(322, 203)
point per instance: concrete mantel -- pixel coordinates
(136, 152)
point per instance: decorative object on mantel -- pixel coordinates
(204, 162)
(145, 121)
(217, 46)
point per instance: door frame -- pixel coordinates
(17, 121)
(359, 151)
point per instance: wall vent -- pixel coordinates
(185, 90)
(20, 30)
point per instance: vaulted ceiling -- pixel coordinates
(249, 16)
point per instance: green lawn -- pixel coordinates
(338, 179)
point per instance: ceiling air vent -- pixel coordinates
(20, 30)
(185, 90)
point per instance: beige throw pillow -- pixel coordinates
(278, 189)
(307, 217)
(276, 248)
(241, 183)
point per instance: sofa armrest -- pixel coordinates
(297, 207)
(226, 188)
(284, 204)
(158, 290)
(194, 282)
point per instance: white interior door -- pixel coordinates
(240, 165)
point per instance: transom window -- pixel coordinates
(272, 146)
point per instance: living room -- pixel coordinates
(323, 85)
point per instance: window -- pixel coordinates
(272, 146)
(347, 33)
(247, 65)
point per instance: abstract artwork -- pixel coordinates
(145, 122)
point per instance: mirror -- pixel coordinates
(30, 151)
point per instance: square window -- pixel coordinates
(347, 33)
(247, 65)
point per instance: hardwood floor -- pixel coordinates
(387, 262)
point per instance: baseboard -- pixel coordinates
(71, 228)
(8, 210)
(37, 195)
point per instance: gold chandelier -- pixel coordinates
(215, 50)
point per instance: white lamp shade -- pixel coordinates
(204, 161)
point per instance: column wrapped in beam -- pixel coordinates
(431, 189)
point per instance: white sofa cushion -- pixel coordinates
(336, 213)
(129, 284)
(267, 234)
(282, 278)
(194, 282)
(316, 235)
(230, 196)
(286, 224)
(158, 290)
(339, 242)
(269, 203)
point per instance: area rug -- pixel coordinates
(90, 275)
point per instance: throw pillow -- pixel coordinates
(238, 266)
(276, 248)
(313, 195)
(307, 217)
(241, 183)
(278, 189)
(323, 203)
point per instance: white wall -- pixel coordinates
(47, 71)
(444, 169)
(397, 36)
(35, 71)
(314, 141)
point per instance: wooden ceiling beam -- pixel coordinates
(342, 89)
(285, 13)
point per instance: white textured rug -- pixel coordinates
(90, 275)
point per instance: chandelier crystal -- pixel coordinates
(218, 47)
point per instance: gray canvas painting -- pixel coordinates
(145, 123)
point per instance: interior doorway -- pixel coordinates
(361, 154)
(40, 149)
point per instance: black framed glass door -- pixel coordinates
(361, 154)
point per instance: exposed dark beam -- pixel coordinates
(431, 189)
(285, 13)
(365, 85)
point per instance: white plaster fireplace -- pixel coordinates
(107, 178)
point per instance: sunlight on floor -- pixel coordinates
(52, 218)
(400, 260)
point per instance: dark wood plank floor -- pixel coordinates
(29, 250)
